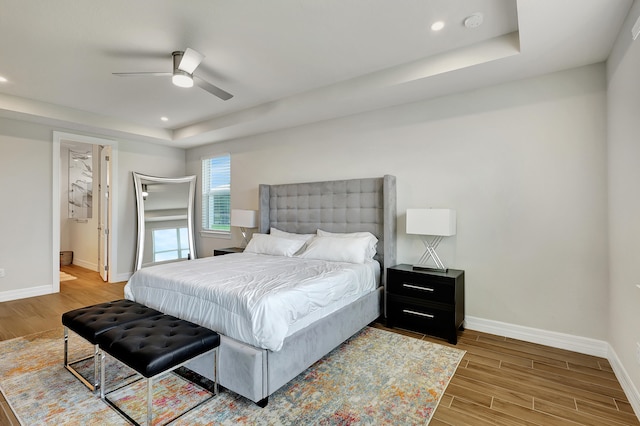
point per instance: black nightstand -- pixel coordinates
(426, 301)
(227, 250)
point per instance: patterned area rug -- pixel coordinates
(376, 377)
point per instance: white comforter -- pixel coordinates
(253, 298)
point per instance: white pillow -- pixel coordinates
(373, 241)
(274, 246)
(282, 234)
(338, 249)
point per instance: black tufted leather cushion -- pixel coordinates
(90, 321)
(153, 345)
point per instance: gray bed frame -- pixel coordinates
(337, 206)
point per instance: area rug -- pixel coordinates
(66, 277)
(375, 377)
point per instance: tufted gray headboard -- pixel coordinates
(336, 206)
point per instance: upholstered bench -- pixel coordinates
(89, 322)
(153, 347)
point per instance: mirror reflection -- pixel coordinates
(165, 219)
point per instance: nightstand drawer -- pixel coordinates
(420, 286)
(427, 319)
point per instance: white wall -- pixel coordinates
(26, 227)
(523, 163)
(25, 212)
(624, 198)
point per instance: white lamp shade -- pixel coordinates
(244, 218)
(431, 222)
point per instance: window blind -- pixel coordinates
(216, 194)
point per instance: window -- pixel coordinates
(170, 244)
(216, 197)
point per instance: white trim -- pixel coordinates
(120, 277)
(55, 213)
(583, 345)
(85, 264)
(58, 137)
(623, 377)
(23, 293)
(113, 215)
(210, 233)
(214, 234)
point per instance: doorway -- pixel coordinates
(104, 224)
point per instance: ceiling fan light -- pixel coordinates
(182, 80)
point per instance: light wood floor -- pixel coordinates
(34, 314)
(500, 381)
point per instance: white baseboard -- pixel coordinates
(120, 277)
(569, 342)
(628, 387)
(88, 265)
(23, 293)
(554, 339)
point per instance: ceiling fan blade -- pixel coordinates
(142, 74)
(190, 60)
(225, 96)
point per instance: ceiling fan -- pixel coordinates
(184, 64)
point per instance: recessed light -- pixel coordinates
(3, 79)
(164, 118)
(437, 26)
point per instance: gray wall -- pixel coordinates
(523, 163)
(624, 199)
(26, 207)
(26, 226)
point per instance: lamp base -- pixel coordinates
(430, 245)
(245, 241)
(429, 269)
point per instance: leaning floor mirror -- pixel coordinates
(165, 219)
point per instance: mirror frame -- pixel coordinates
(138, 179)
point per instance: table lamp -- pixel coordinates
(432, 225)
(244, 219)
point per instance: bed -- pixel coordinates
(256, 363)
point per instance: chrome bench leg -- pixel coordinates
(104, 393)
(66, 346)
(150, 401)
(95, 382)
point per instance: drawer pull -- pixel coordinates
(406, 311)
(417, 287)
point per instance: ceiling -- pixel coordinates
(287, 62)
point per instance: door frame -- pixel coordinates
(58, 137)
(104, 210)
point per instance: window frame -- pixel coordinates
(206, 193)
(179, 249)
